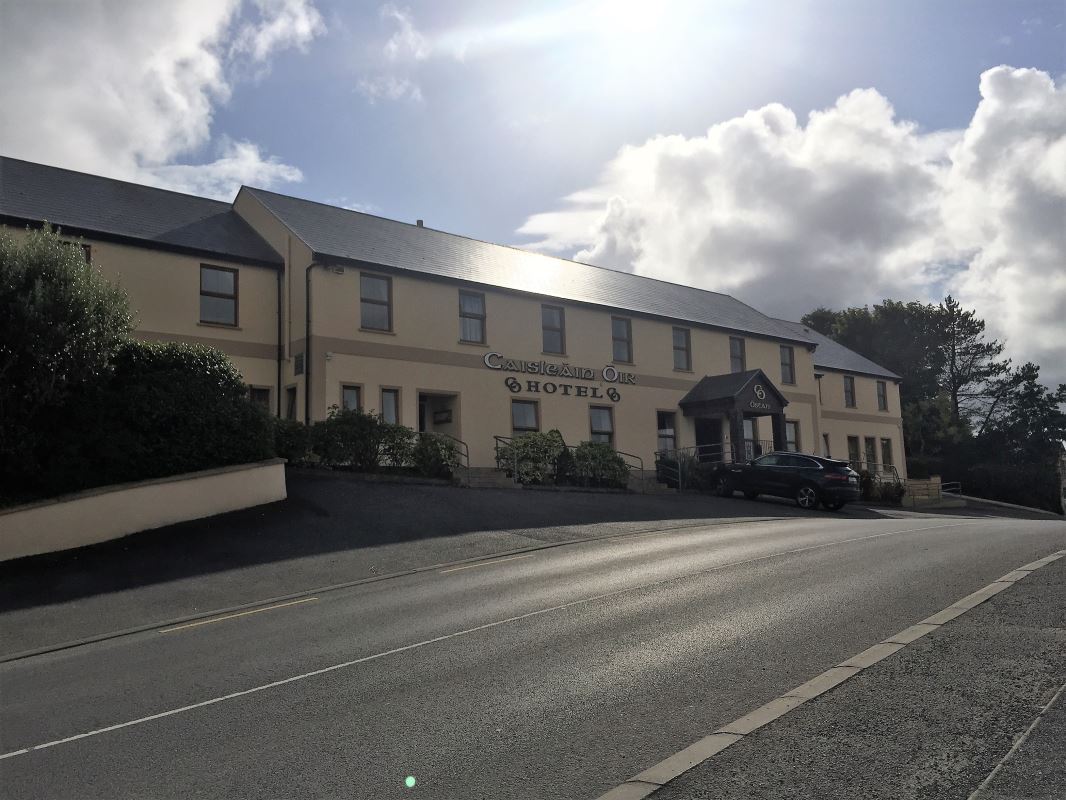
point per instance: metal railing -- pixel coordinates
(951, 487)
(506, 456)
(879, 473)
(679, 467)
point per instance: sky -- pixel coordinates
(794, 154)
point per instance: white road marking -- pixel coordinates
(484, 563)
(654, 778)
(456, 634)
(233, 616)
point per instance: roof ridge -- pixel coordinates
(117, 180)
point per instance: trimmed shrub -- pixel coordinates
(292, 440)
(534, 455)
(435, 456)
(397, 446)
(598, 465)
(165, 409)
(348, 438)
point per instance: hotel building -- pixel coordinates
(320, 306)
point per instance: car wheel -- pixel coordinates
(723, 488)
(834, 506)
(807, 497)
(751, 495)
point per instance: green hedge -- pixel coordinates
(544, 458)
(164, 409)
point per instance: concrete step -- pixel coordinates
(485, 478)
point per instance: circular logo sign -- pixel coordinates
(760, 392)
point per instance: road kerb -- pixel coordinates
(684, 760)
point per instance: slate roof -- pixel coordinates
(727, 386)
(833, 355)
(340, 234)
(84, 204)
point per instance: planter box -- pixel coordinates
(110, 512)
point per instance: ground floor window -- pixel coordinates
(886, 452)
(601, 424)
(792, 435)
(871, 453)
(825, 444)
(351, 398)
(853, 451)
(665, 422)
(390, 405)
(751, 439)
(524, 417)
(290, 402)
(260, 395)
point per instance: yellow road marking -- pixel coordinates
(241, 614)
(485, 563)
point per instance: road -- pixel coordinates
(557, 673)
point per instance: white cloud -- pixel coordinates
(389, 87)
(129, 90)
(407, 42)
(852, 207)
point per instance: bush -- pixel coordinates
(292, 440)
(60, 325)
(435, 456)
(348, 438)
(165, 409)
(397, 445)
(534, 455)
(598, 465)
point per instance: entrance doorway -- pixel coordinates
(708, 438)
(438, 413)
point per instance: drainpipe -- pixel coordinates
(281, 337)
(307, 342)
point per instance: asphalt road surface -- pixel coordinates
(551, 674)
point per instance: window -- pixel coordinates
(218, 296)
(882, 396)
(87, 251)
(886, 452)
(375, 302)
(825, 446)
(260, 395)
(736, 354)
(751, 439)
(553, 328)
(853, 450)
(524, 417)
(788, 364)
(472, 317)
(792, 435)
(601, 423)
(682, 349)
(665, 422)
(390, 405)
(290, 402)
(871, 452)
(849, 391)
(622, 339)
(351, 398)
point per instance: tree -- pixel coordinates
(972, 372)
(60, 324)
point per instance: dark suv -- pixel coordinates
(809, 480)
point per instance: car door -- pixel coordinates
(761, 475)
(797, 472)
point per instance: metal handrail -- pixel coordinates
(877, 472)
(501, 442)
(951, 487)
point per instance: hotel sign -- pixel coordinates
(549, 369)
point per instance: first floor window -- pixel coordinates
(849, 391)
(472, 317)
(667, 433)
(601, 424)
(390, 405)
(260, 395)
(792, 436)
(788, 364)
(622, 339)
(218, 295)
(524, 417)
(682, 349)
(853, 451)
(882, 396)
(290, 402)
(886, 452)
(825, 445)
(351, 398)
(737, 360)
(375, 302)
(553, 329)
